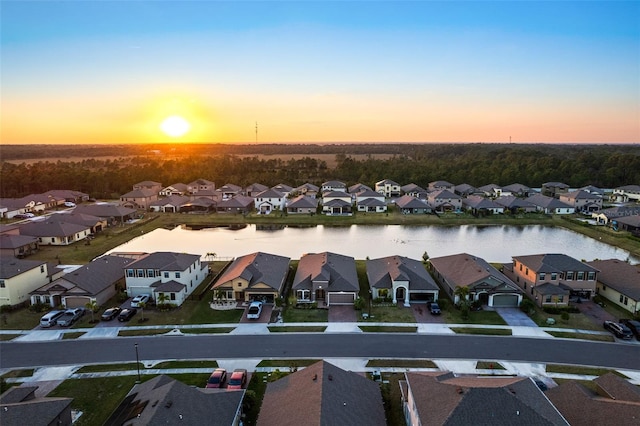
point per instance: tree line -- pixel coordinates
(605, 166)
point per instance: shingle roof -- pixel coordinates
(99, 274)
(358, 187)
(282, 187)
(630, 220)
(368, 193)
(270, 193)
(409, 202)
(382, 272)
(237, 201)
(139, 193)
(168, 287)
(257, 268)
(620, 276)
(256, 187)
(516, 187)
(77, 218)
(338, 270)
(105, 210)
(551, 289)
(463, 270)
(9, 241)
(371, 202)
(581, 195)
(444, 193)
(412, 187)
(303, 202)
(49, 228)
(322, 394)
(477, 202)
(621, 211)
(174, 200)
(511, 201)
(335, 202)
(548, 202)
(11, 266)
(165, 261)
(553, 263)
(387, 182)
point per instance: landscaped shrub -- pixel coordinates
(39, 307)
(554, 310)
(527, 306)
(565, 316)
(358, 304)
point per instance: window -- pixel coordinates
(626, 300)
(130, 273)
(41, 268)
(303, 294)
(621, 298)
(547, 299)
(580, 275)
(173, 296)
(521, 266)
(151, 273)
(591, 276)
(140, 273)
(570, 276)
(554, 276)
(604, 287)
(166, 275)
(526, 272)
(177, 274)
(560, 299)
(542, 276)
(2, 285)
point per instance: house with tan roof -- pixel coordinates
(486, 284)
(322, 394)
(255, 276)
(442, 398)
(326, 278)
(619, 282)
(402, 279)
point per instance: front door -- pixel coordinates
(400, 294)
(319, 294)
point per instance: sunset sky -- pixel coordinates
(328, 71)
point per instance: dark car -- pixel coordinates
(633, 325)
(434, 308)
(619, 330)
(238, 379)
(110, 313)
(126, 314)
(217, 378)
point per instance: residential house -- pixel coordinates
(239, 204)
(464, 190)
(623, 194)
(308, 189)
(322, 394)
(619, 282)
(490, 190)
(554, 189)
(269, 200)
(442, 398)
(415, 191)
(412, 205)
(327, 278)
(17, 245)
(593, 190)
(94, 223)
(256, 276)
(401, 279)
(199, 185)
(609, 400)
(629, 224)
(336, 203)
(515, 205)
(516, 189)
(228, 190)
(486, 284)
(357, 188)
(55, 232)
(139, 198)
(19, 277)
(441, 185)
(199, 205)
(76, 197)
(97, 281)
(551, 279)
(19, 405)
(302, 204)
(209, 194)
(370, 201)
(175, 275)
(480, 206)
(283, 188)
(582, 201)
(14, 206)
(148, 185)
(175, 189)
(388, 188)
(170, 204)
(605, 216)
(113, 213)
(444, 201)
(254, 189)
(550, 205)
(333, 185)
(164, 400)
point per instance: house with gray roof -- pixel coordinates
(412, 205)
(302, 204)
(490, 190)
(552, 279)
(322, 394)
(402, 279)
(442, 398)
(444, 201)
(254, 189)
(336, 203)
(414, 190)
(358, 188)
(164, 400)
(148, 185)
(255, 276)
(619, 282)
(139, 198)
(200, 185)
(370, 201)
(112, 212)
(56, 232)
(175, 275)
(283, 188)
(96, 224)
(550, 205)
(269, 200)
(326, 278)
(593, 190)
(440, 185)
(228, 190)
(170, 204)
(481, 206)
(67, 195)
(98, 281)
(605, 216)
(308, 189)
(486, 284)
(629, 224)
(18, 277)
(515, 205)
(237, 204)
(19, 405)
(582, 201)
(516, 189)
(175, 189)
(333, 185)
(626, 193)
(554, 189)
(388, 188)
(464, 190)
(18, 245)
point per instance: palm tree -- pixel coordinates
(220, 293)
(162, 299)
(463, 295)
(92, 306)
(142, 305)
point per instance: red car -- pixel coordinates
(238, 379)
(217, 379)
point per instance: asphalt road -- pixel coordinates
(288, 345)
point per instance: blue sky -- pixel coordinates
(421, 71)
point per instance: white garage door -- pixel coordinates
(340, 298)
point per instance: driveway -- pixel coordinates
(515, 317)
(338, 313)
(596, 313)
(422, 315)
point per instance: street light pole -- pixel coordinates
(137, 363)
(370, 297)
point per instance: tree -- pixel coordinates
(211, 256)
(425, 257)
(162, 299)
(92, 306)
(220, 294)
(142, 305)
(463, 295)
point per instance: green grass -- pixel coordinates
(401, 363)
(583, 336)
(150, 332)
(391, 397)
(287, 362)
(396, 314)
(20, 319)
(215, 330)
(305, 315)
(186, 364)
(489, 365)
(454, 316)
(485, 331)
(27, 372)
(101, 368)
(72, 335)
(297, 329)
(253, 397)
(575, 321)
(4, 337)
(578, 370)
(387, 329)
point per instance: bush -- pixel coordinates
(558, 311)
(39, 307)
(565, 316)
(527, 306)
(358, 304)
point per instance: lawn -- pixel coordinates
(401, 363)
(395, 314)
(27, 372)
(391, 397)
(297, 329)
(576, 369)
(292, 314)
(186, 364)
(485, 331)
(289, 363)
(576, 321)
(4, 337)
(454, 316)
(583, 336)
(99, 368)
(386, 329)
(20, 319)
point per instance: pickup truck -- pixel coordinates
(69, 317)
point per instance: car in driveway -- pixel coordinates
(110, 313)
(69, 317)
(126, 314)
(254, 311)
(69, 204)
(142, 298)
(217, 378)
(434, 309)
(24, 216)
(621, 331)
(633, 325)
(238, 379)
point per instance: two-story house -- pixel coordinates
(139, 198)
(199, 185)
(371, 201)
(19, 277)
(388, 188)
(582, 201)
(269, 200)
(444, 200)
(175, 189)
(333, 185)
(623, 194)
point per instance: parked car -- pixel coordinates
(142, 298)
(110, 313)
(69, 317)
(633, 325)
(619, 330)
(217, 378)
(69, 204)
(24, 216)
(254, 311)
(238, 379)
(126, 314)
(434, 308)
(50, 318)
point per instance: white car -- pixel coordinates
(69, 204)
(254, 311)
(143, 298)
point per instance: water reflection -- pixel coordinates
(493, 243)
